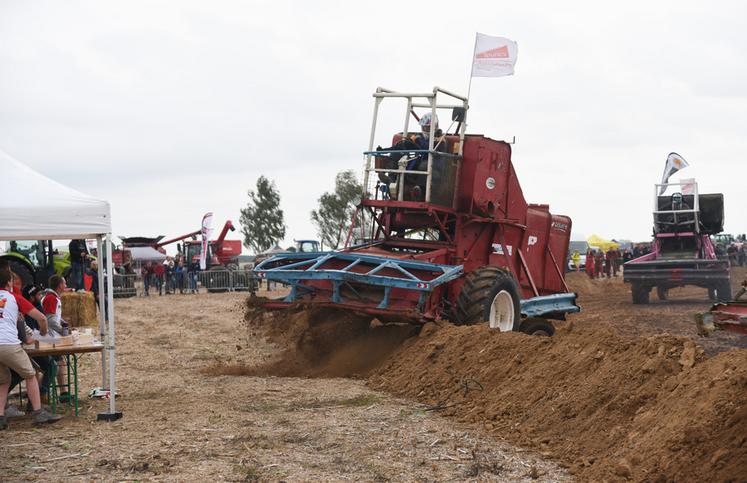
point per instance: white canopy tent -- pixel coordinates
(35, 207)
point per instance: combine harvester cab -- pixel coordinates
(451, 235)
(682, 250)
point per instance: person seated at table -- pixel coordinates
(12, 355)
(52, 308)
(34, 294)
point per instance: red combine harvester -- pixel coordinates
(222, 253)
(453, 236)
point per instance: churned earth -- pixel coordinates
(182, 422)
(215, 388)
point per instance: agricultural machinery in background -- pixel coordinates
(222, 254)
(34, 261)
(682, 250)
(451, 235)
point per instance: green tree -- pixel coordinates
(262, 221)
(336, 210)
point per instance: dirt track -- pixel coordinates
(186, 421)
(182, 425)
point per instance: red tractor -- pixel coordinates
(451, 235)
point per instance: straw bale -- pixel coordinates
(79, 309)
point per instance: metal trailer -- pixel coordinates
(451, 235)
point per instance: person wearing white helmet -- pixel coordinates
(420, 163)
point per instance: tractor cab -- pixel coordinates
(306, 246)
(421, 165)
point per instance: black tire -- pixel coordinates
(540, 327)
(640, 294)
(22, 271)
(712, 293)
(723, 291)
(662, 293)
(478, 292)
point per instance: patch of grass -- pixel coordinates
(248, 471)
(362, 400)
(295, 438)
(262, 407)
(404, 413)
(254, 440)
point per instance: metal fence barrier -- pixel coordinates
(125, 285)
(213, 281)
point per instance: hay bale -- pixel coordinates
(79, 309)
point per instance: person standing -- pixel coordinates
(590, 263)
(78, 256)
(158, 273)
(608, 263)
(576, 258)
(598, 264)
(194, 267)
(145, 273)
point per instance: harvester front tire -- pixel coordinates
(662, 293)
(723, 291)
(540, 327)
(489, 294)
(640, 294)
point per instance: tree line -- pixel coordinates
(263, 221)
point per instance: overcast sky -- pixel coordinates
(172, 109)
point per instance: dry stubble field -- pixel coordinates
(184, 425)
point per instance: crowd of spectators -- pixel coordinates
(172, 275)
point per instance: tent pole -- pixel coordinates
(112, 415)
(102, 305)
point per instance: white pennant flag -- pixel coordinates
(207, 220)
(675, 162)
(494, 56)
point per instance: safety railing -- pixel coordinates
(399, 159)
(212, 281)
(125, 285)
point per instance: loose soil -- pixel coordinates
(182, 424)
(614, 395)
(622, 392)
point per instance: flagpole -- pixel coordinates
(471, 67)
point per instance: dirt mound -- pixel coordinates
(320, 342)
(648, 409)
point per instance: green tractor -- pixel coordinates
(34, 261)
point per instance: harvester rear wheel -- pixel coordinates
(640, 294)
(662, 292)
(723, 291)
(489, 294)
(541, 327)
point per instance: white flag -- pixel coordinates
(207, 220)
(688, 186)
(494, 56)
(675, 162)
